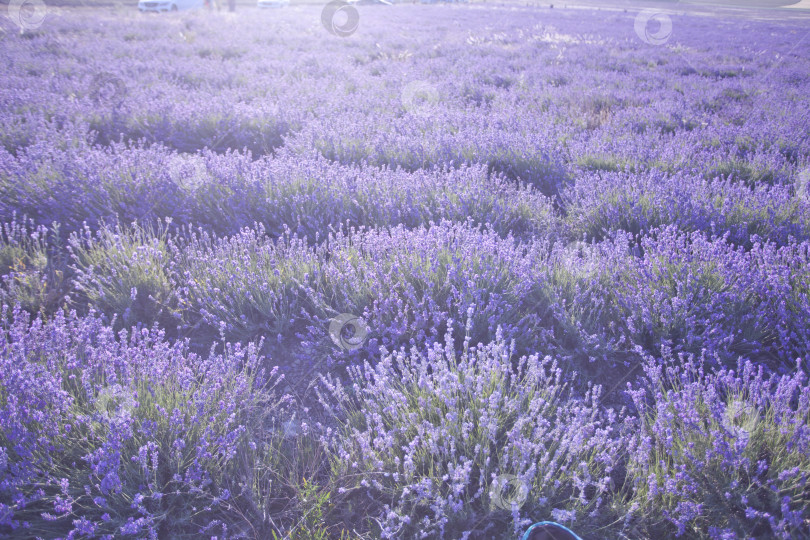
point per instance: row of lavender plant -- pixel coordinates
(109, 435)
(309, 195)
(600, 302)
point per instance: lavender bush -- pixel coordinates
(722, 453)
(429, 435)
(123, 272)
(106, 435)
(694, 293)
(32, 266)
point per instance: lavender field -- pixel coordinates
(422, 271)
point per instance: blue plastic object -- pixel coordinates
(555, 531)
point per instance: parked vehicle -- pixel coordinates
(169, 5)
(272, 3)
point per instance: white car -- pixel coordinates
(273, 3)
(169, 5)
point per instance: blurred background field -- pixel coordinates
(688, 5)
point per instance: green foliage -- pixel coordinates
(124, 272)
(32, 267)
